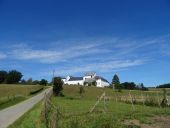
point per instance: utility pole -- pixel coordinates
(53, 77)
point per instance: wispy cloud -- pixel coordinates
(2, 55)
(24, 52)
(103, 55)
(101, 67)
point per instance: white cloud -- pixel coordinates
(97, 50)
(101, 67)
(24, 52)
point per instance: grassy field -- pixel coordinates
(13, 94)
(31, 119)
(117, 111)
(73, 111)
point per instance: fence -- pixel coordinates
(52, 113)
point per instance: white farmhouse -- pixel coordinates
(88, 78)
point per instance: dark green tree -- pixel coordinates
(23, 81)
(13, 77)
(58, 85)
(116, 82)
(29, 81)
(43, 82)
(3, 76)
(129, 85)
(36, 82)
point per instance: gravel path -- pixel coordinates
(11, 114)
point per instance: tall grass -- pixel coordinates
(13, 94)
(11, 90)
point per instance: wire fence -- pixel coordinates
(52, 113)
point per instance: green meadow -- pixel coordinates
(72, 110)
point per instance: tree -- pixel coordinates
(129, 85)
(43, 82)
(116, 82)
(58, 85)
(23, 81)
(36, 82)
(13, 77)
(29, 81)
(3, 76)
(142, 87)
(164, 86)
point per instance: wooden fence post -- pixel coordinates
(142, 99)
(104, 100)
(46, 110)
(131, 101)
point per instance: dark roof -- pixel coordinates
(99, 77)
(75, 78)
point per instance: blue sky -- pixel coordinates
(130, 38)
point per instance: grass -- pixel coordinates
(11, 90)
(31, 119)
(117, 112)
(12, 101)
(75, 110)
(13, 94)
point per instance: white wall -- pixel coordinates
(105, 84)
(101, 83)
(86, 77)
(98, 83)
(74, 82)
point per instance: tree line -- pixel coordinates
(10, 77)
(30, 81)
(126, 85)
(164, 86)
(15, 77)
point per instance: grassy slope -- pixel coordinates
(11, 90)
(117, 112)
(74, 110)
(13, 94)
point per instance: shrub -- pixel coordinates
(164, 102)
(43, 82)
(36, 91)
(151, 101)
(58, 86)
(81, 90)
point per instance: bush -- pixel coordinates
(36, 91)
(151, 101)
(58, 86)
(81, 90)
